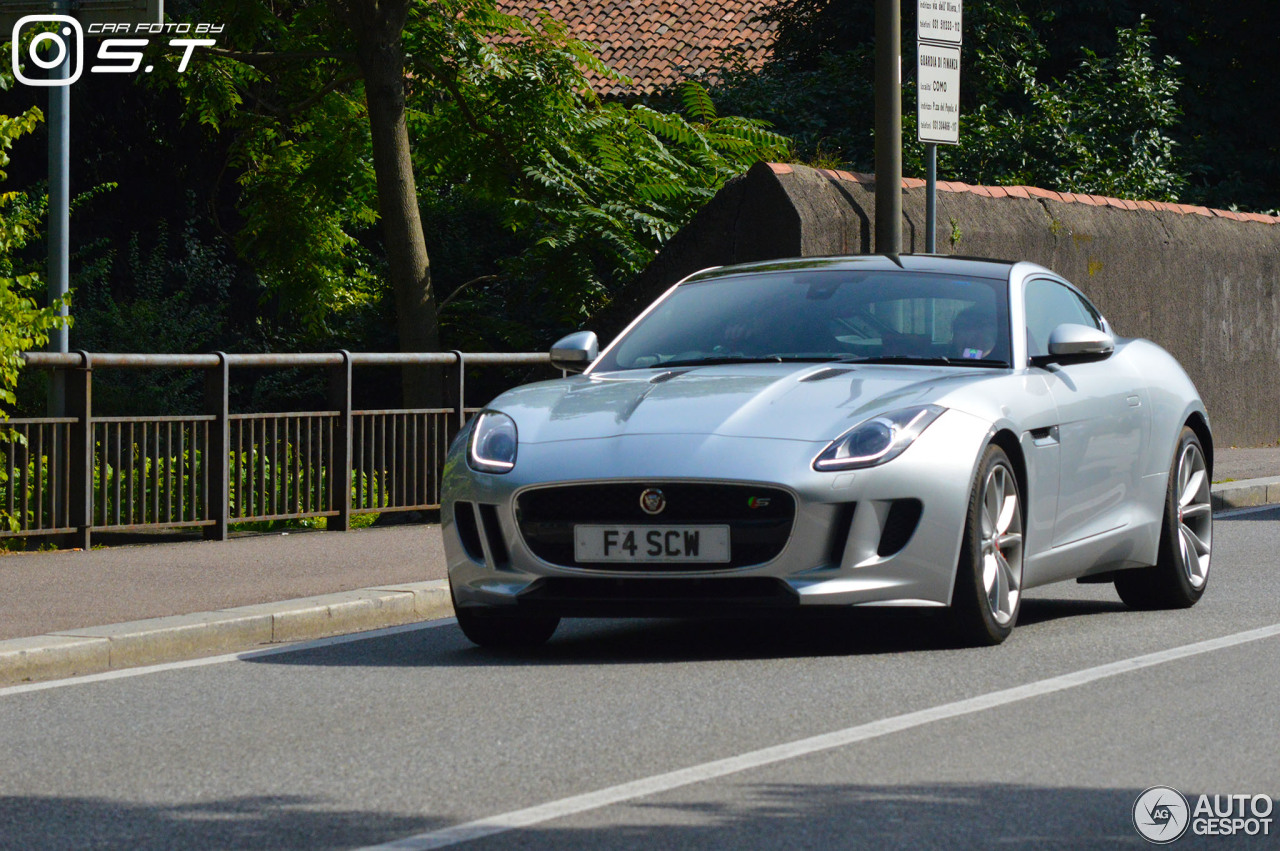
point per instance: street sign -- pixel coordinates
(938, 94)
(939, 21)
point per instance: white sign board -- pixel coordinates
(939, 21)
(938, 101)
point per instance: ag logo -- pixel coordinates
(1161, 814)
(653, 501)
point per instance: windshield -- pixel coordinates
(823, 315)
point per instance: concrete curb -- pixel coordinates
(1245, 494)
(170, 639)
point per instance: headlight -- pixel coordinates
(877, 440)
(493, 443)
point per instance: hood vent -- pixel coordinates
(824, 374)
(663, 377)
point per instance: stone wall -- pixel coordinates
(1204, 284)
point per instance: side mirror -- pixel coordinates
(1077, 344)
(575, 352)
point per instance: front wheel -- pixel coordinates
(1181, 572)
(988, 588)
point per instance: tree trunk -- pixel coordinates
(378, 26)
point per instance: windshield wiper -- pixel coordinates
(913, 360)
(715, 360)
(775, 358)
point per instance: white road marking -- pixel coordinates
(125, 673)
(767, 756)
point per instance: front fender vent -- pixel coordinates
(464, 520)
(899, 526)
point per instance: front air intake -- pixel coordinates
(899, 526)
(464, 520)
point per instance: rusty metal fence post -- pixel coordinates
(216, 464)
(79, 404)
(340, 457)
(462, 390)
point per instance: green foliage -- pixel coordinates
(173, 299)
(281, 88)
(502, 120)
(507, 117)
(24, 324)
(1101, 130)
(1073, 118)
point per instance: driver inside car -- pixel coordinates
(973, 333)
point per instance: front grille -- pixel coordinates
(759, 519)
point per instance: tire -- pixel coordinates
(988, 587)
(1181, 573)
(503, 631)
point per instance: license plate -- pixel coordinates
(651, 543)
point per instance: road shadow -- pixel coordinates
(252, 823)
(945, 817)
(1045, 610)
(646, 641)
(729, 814)
(1269, 514)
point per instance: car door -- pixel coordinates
(1102, 419)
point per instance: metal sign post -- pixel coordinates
(939, 27)
(60, 208)
(63, 50)
(888, 126)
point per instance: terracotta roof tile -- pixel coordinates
(634, 35)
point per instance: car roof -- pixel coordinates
(979, 267)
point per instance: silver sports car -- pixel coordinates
(837, 432)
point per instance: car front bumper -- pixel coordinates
(849, 544)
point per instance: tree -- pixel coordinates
(1096, 117)
(323, 100)
(24, 325)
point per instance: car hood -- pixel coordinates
(809, 402)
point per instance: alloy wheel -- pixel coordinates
(1195, 515)
(1001, 543)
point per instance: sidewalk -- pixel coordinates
(69, 613)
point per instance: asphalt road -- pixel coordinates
(415, 732)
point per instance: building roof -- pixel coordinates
(660, 42)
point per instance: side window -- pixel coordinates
(1050, 304)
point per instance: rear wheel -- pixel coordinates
(1181, 572)
(988, 589)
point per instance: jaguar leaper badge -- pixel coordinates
(653, 501)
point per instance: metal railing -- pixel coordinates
(75, 475)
